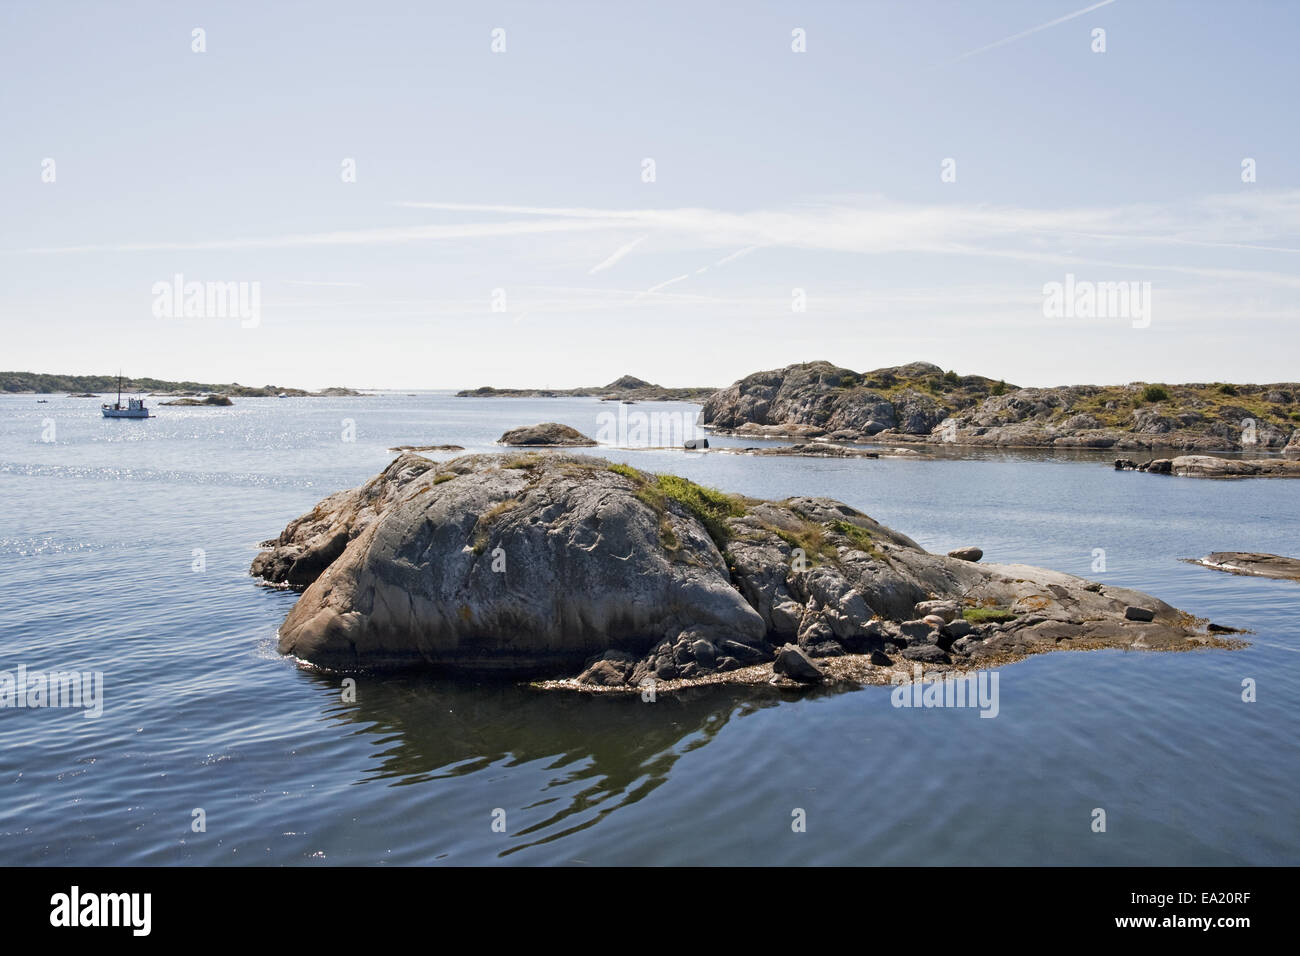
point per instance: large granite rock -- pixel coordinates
(558, 564)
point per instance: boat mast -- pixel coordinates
(119, 388)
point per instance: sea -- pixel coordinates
(124, 553)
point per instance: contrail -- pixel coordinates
(618, 254)
(661, 285)
(1024, 33)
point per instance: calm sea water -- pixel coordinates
(98, 539)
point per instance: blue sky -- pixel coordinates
(522, 171)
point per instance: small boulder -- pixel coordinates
(705, 653)
(611, 669)
(964, 645)
(665, 669)
(914, 631)
(958, 628)
(1139, 614)
(793, 663)
(742, 652)
(926, 654)
(966, 554)
(945, 609)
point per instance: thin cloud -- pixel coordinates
(1175, 241)
(350, 237)
(1258, 223)
(331, 285)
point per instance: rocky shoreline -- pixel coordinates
(584, 573)
(921, 403)
(1212, 466)
(1251, 564)
(819, 449)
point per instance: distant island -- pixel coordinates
(921, 402)
(217, 400)
(86, 385)
(625, 389)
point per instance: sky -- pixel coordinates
(438, 195)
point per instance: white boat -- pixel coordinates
(134, 407)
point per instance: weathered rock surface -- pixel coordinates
(921, 403)
(805, 401)
(311, 543)
(1254, 563)
(1212, 466)
(560, 564)
(546, 434)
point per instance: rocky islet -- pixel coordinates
(600, 576)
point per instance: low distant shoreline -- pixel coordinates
(625, 389)
(40, 383)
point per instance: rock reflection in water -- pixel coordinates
(619, 745)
